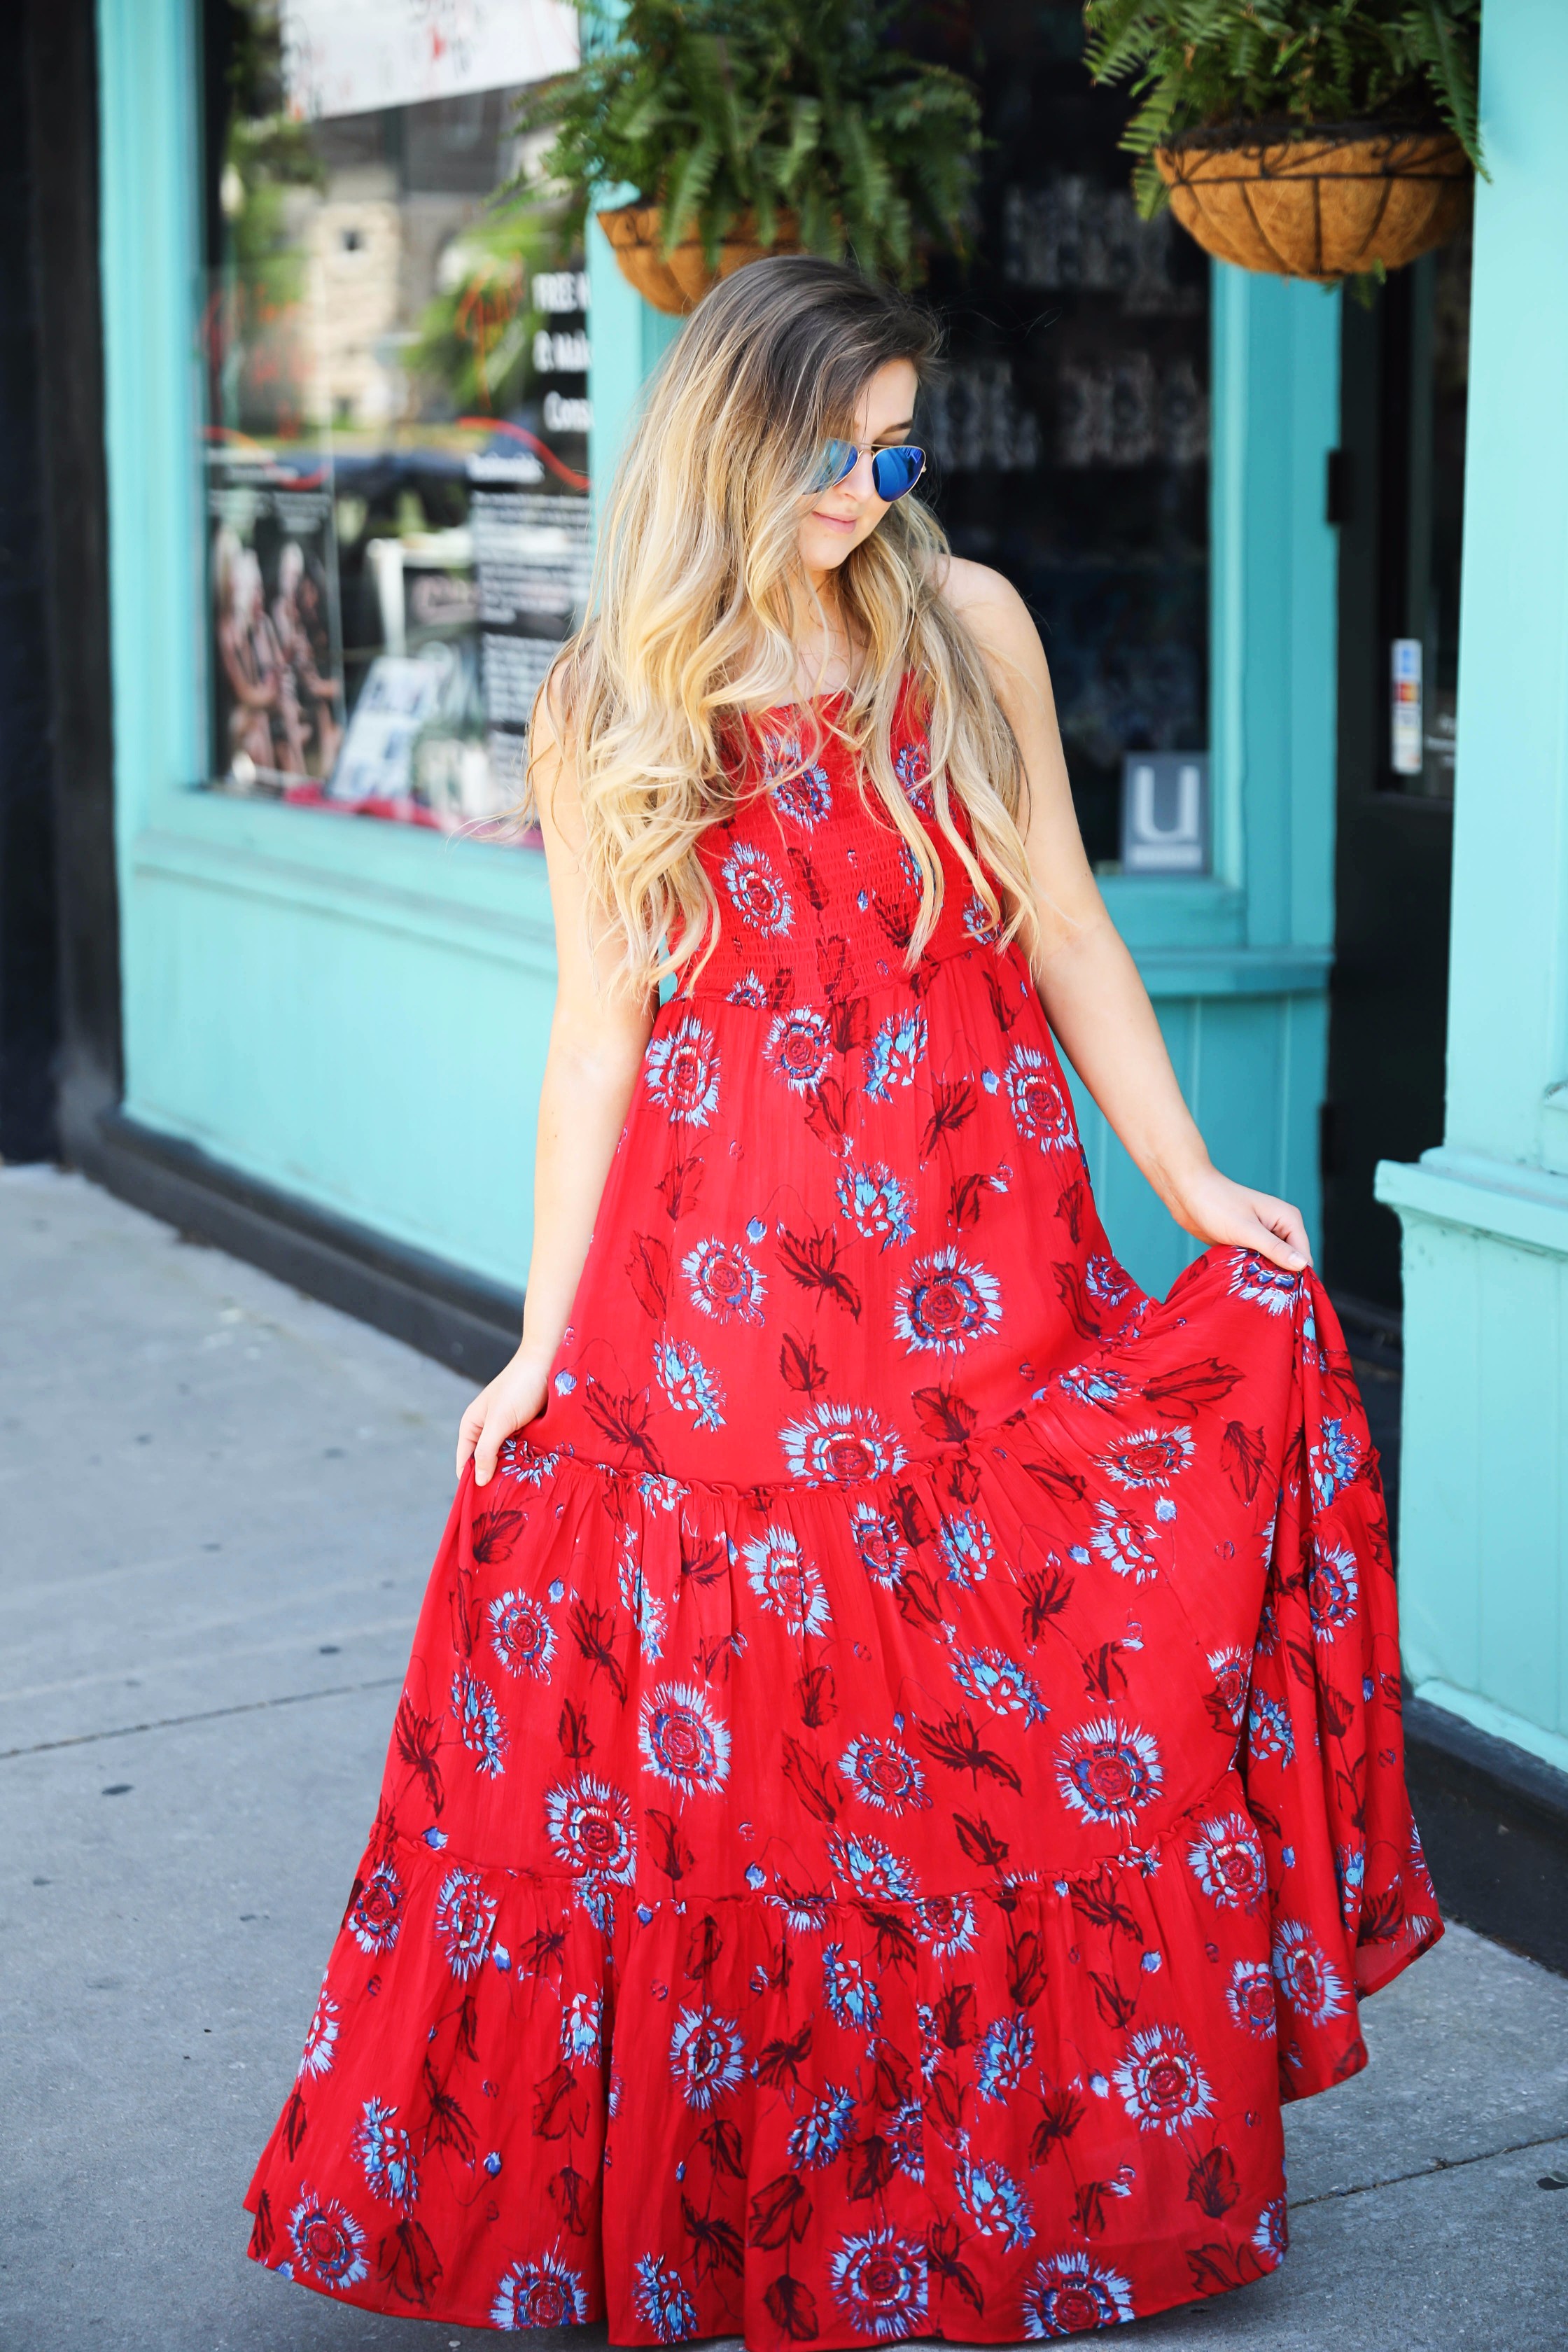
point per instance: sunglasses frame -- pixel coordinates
(851, 453)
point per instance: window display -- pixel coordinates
(1070, 439)
(396, 349)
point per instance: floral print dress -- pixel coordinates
(899, 1774)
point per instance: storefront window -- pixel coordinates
(1071, 440)
(396, 349)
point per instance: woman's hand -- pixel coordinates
(514, 1397)
(1213, 1209)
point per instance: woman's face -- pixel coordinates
(832, 521)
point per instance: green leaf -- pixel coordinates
(1452, 70)
(710, 108)
(805, 132)
(1150, 192)
(690, 178)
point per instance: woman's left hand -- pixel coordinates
(1215, 1210)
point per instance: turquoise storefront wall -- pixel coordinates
(349, 1011)
(1484, 1534)
(358, 1014)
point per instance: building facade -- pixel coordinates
(300, 993)
(345, 414)
(1484, 1523)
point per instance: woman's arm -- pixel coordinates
(596, 1044)
(1088, 982)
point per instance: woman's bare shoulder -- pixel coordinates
(991, 608)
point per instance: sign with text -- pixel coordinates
(354, 56)
(1165, 812)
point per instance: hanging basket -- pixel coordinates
(677, 285)
(1341, 200)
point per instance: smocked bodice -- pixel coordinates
(818, 890)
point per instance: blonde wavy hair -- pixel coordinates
(696, 593)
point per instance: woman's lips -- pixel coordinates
(838, 522)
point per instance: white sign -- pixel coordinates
(352, 57)
(397, 698)
(1406, 734)
(1165, 813)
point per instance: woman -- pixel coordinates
(299, 623)
(900, 1770)
(248, 657)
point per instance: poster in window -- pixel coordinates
(277, 643)
(398, 361)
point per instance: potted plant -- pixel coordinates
(1318, 138)
(757, 126)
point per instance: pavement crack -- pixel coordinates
(204, 1715)
(1426, 2171)
(368, 1630)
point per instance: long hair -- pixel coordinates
(695, 593)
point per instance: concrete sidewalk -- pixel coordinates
(218, 1506)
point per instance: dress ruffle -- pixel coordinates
(580, 1998)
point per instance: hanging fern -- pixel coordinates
(1226, 65)
(711, 108)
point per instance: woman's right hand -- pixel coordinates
(515, 1397)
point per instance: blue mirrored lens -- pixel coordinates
(894, 471)
(836, 459)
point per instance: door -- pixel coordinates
(1396, 489)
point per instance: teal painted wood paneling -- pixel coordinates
(1237, 1059)
(617, 313)
(1275, 562)
(1440, 1595)
(1145, 1238)
(1483, 1538)
(408, 1103)
(1484, 1544)
(1241, 1083)
(1305, 1048)
(629, 341)
(1508, 1029)
(147, 100)
(659, 331)
(1520, 1482)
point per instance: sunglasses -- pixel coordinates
(893, 471)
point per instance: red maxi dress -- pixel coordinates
(900, 1773)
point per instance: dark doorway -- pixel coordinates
(59, 950)
(1397, 488)
(29, 991)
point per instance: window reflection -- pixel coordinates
(1071, 437)
(396, 353)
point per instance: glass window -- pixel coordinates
(396, 352)
(1071, 441)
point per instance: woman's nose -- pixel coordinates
(859, 481)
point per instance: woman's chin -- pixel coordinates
(823, 549)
